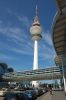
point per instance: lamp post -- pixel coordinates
(63, 76)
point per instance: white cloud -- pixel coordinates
(24, 20)
(48, 38)
(46, 49)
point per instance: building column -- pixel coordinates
(64, 79)
(60, 83)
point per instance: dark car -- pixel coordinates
(31, 94)
(15, 96)
(10, 96)
(40, 92)
(36, 91)
(23, 96)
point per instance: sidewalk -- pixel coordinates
(56, 95)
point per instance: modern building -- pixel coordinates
(59, 37)
(33, 75)
(36, 31)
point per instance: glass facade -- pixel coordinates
(47, 73)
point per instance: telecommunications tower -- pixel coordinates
(36, 31)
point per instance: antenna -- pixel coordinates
(36, 10)
(36, 17)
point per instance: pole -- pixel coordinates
(64, 78)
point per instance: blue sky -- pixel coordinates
(16, 45)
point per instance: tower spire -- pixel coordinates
(36, 19)
(36, 10)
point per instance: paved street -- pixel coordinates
(58, 95)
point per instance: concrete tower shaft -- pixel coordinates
(35, 63)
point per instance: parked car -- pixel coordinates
(23, 96)
(40, 92)
(46, 89)
(15, 96)
(31, 94)
(3, 91)
(36, 91)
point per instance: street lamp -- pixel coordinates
(63, 75)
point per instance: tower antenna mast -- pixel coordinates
(36, 10)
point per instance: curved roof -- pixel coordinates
(59, 29)
(61, 4)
